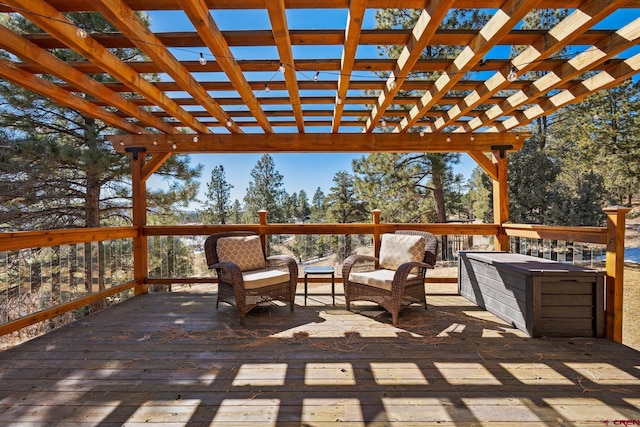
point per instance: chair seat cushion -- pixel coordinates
(381, 279)
(397, 249)
(245, 252)
(265, 277)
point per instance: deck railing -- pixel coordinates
(70, 269)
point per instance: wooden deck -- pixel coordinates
(172, 358)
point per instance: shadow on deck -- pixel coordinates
(172, 358)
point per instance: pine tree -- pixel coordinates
(56, 169)
(217, 207)
(344, 207)
(265, 192)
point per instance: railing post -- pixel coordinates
(616, 217)
(262, 218)
(140, 245)
(501, 201)
(376, 231)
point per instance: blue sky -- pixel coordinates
(300, 171)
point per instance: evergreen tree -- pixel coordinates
(344, 207)
(218, 203)
(480, 195)
(304, 210)
(386, 179)
(601, 135)
(265, 192)
(407, 187)
(56, 169)
(318, 207)
(237, 212)
(531, 179)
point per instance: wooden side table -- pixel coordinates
(319, 270)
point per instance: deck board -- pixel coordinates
(173, 359)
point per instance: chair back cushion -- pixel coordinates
(245, 252)
(397, 249)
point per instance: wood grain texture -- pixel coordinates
(172, 358)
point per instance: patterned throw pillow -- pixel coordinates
(396, 249)
(245, 252)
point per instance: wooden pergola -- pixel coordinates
(209, 100)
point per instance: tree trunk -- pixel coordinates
(438, 195)
(94, 271)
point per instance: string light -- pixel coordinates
(338, 100)
(202, 59)
(174, 146)
(383, 122)
(195, 138)
(421, 133)
(472, 138)
(393, 84)
(316, 76)
(267, 88)
(229, 123)
(82, 33)
(448, 139)
(155, 142)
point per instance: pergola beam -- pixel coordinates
(28, 51)
(547, 44)
(607, 48)
(64, 98)
(280, 28)
(319, 143)
(509, 14)
(202, 20)
(55, 23)
(430, 19)
(351, 42)
(125, 19)
(324, 37)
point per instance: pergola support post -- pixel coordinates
(140, 245)
(500, 200)
(616, 218)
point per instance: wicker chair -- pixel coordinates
(396, 279)
(246, 277)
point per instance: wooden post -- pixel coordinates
(140, 245)
(501, 201)
(616, 217)
(262, 218)
(376, 231)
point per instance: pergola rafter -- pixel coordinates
(472, 93)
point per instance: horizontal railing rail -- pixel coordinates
(55, 273)
(162, 270)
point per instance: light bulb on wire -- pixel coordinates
(512, 76)
(229, 123)
(338, 100)
(281, 68)
(393, 84)
(316, 76)
(81, 32)
(202, 59)
(267, 88)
